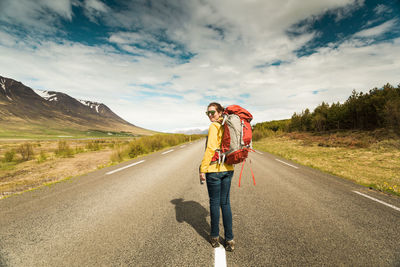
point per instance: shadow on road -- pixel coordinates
(194, 214)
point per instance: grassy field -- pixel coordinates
(13, 128)
(29, 164)
(367, 158)
(41, 133)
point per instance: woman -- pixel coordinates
(218, 178)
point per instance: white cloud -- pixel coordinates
(40, 15)
(129, 38)
(337, 71)
(342, 13)
(96, 5)
(228, 39)
(142, 43)
(377, 30)
(95, 9)
(381, 9)
(60, 7)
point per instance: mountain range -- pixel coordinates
(22, 108)
(192, 131)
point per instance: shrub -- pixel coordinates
(153, 143)
(9, 156)
(42, 157)
(64, 150)
(259, 134)
(26, 151)
(79, 149)
(149, 144)
(93, 145)
(391, 144)
(136, 148)
(117, 155)
(111, 145)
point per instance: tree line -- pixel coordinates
(379, 108)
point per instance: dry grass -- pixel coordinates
(53, 160)
(366, 160)
(31, 174)
(50, 161)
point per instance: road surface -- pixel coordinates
(152, 211)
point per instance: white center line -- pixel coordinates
(182, 146)
(258, 152)
(287, 164)
(127, 166)
(377, 200)
(219, 257)
(167, 151)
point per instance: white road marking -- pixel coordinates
(377, 200)
(258, 152)
(182, 146)
(287, 164)
(127, 166)
(219, 257)
(167, 151)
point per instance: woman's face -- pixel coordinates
(213, 114)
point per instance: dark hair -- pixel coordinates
(217, 106)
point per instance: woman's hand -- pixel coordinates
(202, 177)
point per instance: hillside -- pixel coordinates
(377, 109)
(23, 109)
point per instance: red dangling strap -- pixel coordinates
(240, 176)
(252, 174)
(254, 180)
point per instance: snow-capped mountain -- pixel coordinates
(19, 103)
(191, 131)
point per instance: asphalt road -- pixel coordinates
(154, 212)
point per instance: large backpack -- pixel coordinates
(236, 140)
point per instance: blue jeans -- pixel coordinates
(219, 185)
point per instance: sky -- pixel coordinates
(158, 64)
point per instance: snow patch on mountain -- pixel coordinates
(3, 84)
(90, 104)
(46, 95)
(83, 102)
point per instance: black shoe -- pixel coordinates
(230, 245)
(214, 241)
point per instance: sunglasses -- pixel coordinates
(211, 112)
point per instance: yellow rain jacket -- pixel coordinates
(215, 133)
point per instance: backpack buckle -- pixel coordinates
(223, 121)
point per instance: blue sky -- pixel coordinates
(159, 63)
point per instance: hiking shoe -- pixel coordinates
(214, 241)
(230, 245)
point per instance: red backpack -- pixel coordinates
(236, 140)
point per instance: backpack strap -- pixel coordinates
(223, 121)
(241, 171)
(218, 150)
